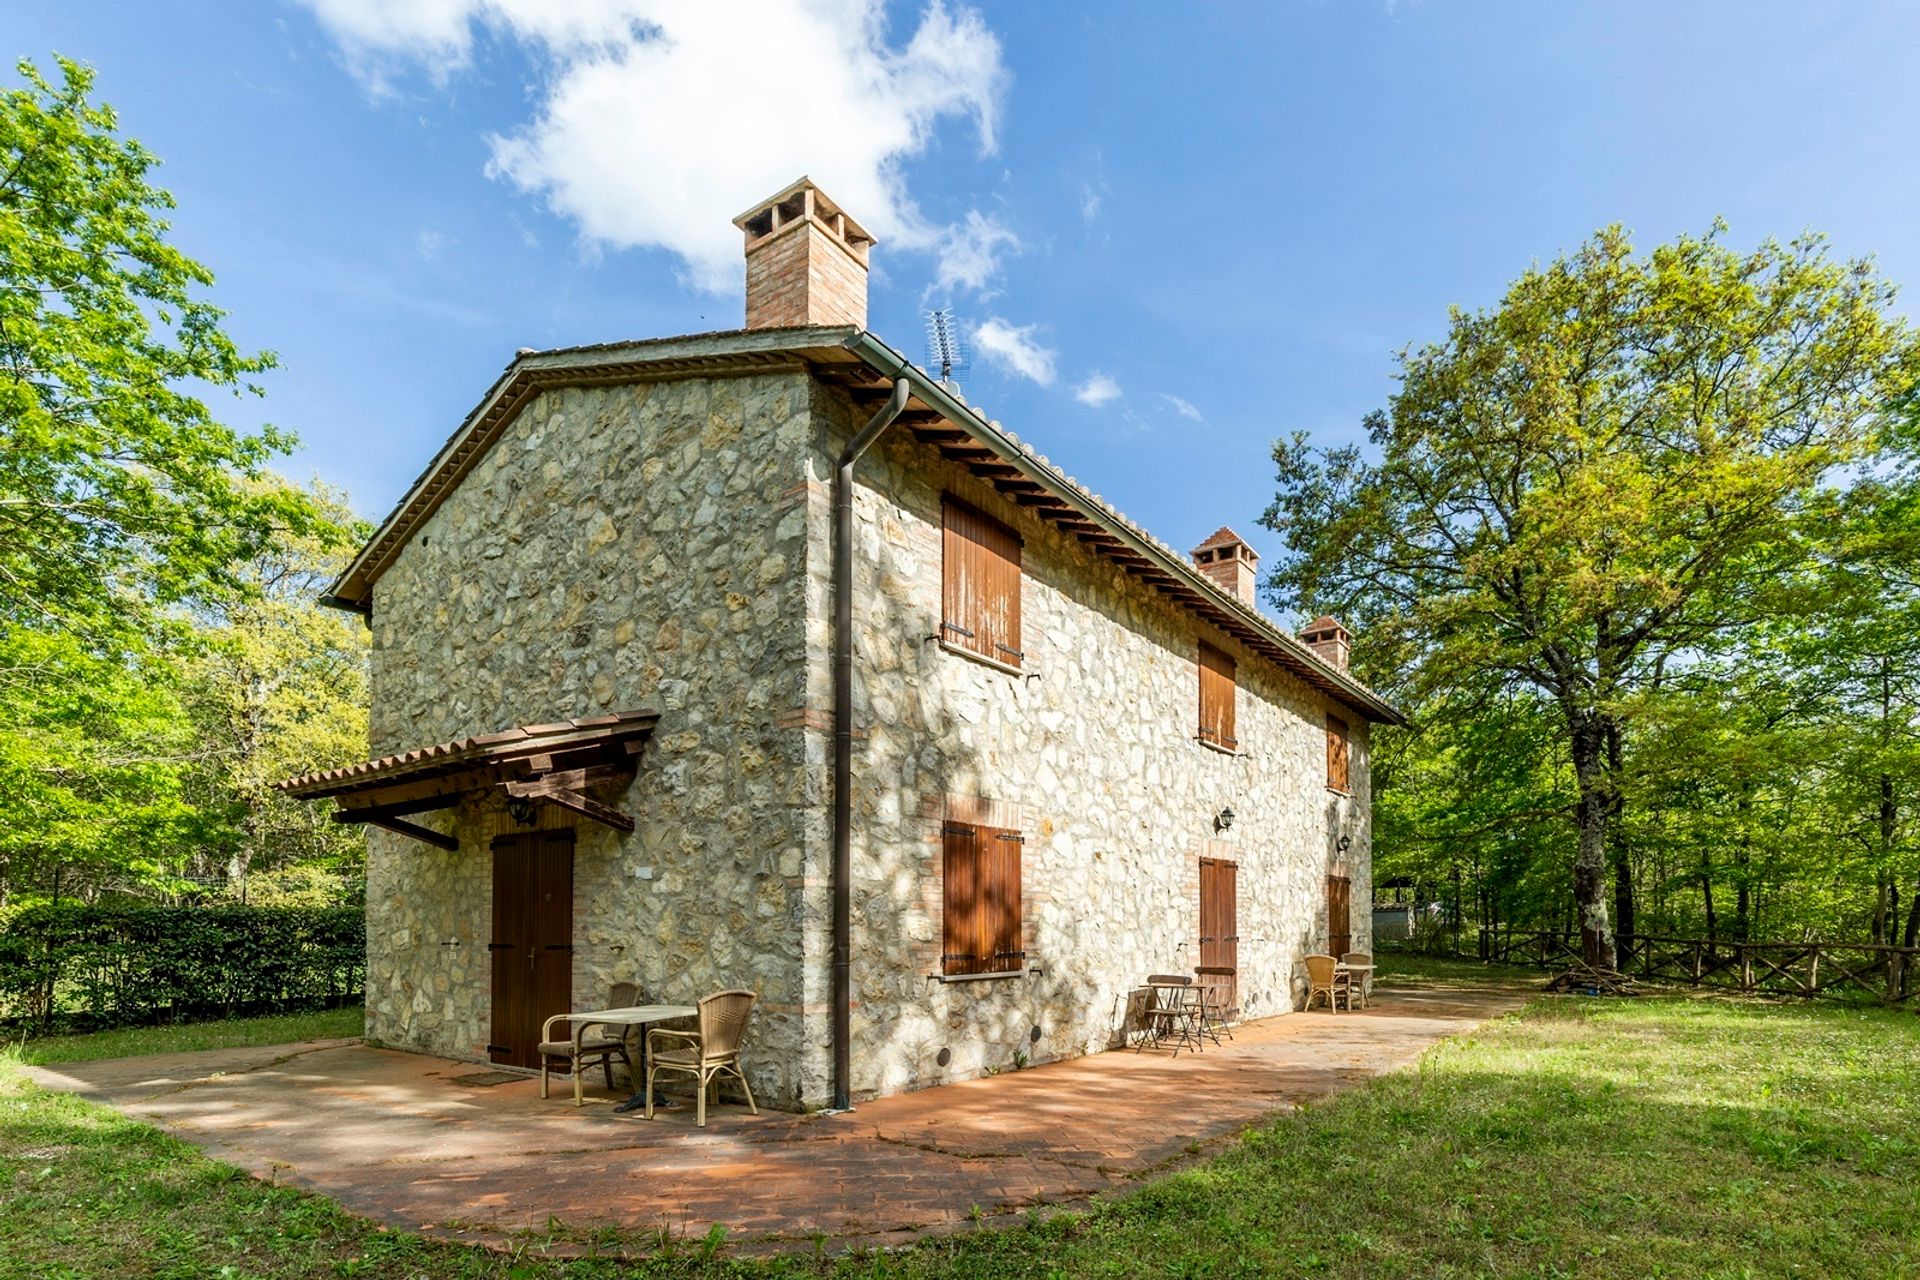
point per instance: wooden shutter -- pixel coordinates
(980, 584)
(1217, 697)
(980, 900)
(1337, 754)
(1339, 916)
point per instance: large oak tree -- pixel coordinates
(1615, 471)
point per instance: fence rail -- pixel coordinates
(1892, 974)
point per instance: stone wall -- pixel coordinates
(618, 548)
(1091, 752)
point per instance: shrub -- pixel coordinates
(83, 967)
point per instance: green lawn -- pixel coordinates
(1660, 1137)
(133, 1042)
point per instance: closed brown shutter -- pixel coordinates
(1337, 754)
(980, 900)
(980, 580)
(1339, 916)
(1216, 697)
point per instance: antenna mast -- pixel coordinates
(946, 349)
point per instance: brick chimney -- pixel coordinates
(806, 261)
(1230, 563)
(1328, 639)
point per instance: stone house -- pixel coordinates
(613, 621)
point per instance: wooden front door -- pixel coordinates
(532, 943)
(1339, 916)
(1220, 924)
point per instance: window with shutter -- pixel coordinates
(980, 584)
(1217, 698)
(1337, 754)
(980, 900)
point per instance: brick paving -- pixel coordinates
(399, 1138)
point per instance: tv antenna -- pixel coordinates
(946, 349)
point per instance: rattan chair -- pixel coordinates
(582, 1049)
(1358, 984)
(1325, 980)
(706, 1054)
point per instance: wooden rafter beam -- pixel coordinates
(396, 809)
(414, 831)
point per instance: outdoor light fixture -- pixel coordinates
(520, 809)
(1344, 843)
(1223, 819)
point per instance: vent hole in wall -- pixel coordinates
(944, 1057)
(1034, 1035)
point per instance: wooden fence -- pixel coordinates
(1890, 974)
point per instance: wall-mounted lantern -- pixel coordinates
(1223, 820)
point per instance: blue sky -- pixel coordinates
(1233, 214)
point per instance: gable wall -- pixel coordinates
(619, 548)
(1095, 760)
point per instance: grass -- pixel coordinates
(1668, 1137)
(133, 1042)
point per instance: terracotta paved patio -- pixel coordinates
(429, 1144)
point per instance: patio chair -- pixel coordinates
(1216, 1000)
(1360, 984)
(705, 1054)
(1172, 1012)
(581, 1050)
(1325, 980)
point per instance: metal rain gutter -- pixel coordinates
(842, 873)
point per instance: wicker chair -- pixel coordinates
(705, 1054)
(582, 1049)
(1358, 984)
(1324, 980)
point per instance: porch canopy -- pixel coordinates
(533, 764)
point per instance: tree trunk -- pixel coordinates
(1706, 893)
(1617, 838)
(1590, 820)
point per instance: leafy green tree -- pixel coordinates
(277, 686)
(1621, 468)
(120, 493)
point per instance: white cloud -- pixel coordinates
(1014, 348)
(1090, 202)
(660, 120)
(1185, 408)
(430, 243)
(1097, 390)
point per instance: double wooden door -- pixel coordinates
(1220, 925)
(532, 947)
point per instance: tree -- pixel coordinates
(276, 686)
(1614, 472)
(119, 491)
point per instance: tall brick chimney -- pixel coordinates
(806, 261)
(1229, 562)
(1328, 639)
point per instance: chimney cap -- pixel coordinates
(798, 199)
(1325, 623)
(1222, 537)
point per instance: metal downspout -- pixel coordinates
(842, 875)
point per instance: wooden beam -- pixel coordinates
(587, 807)
(398, 809)
(413, 830)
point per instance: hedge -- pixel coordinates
(81, 967)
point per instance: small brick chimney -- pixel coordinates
(806, 261)
(1230, 563)
(1328, 639)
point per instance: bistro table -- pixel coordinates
(1358, 976)
(638, 1015)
